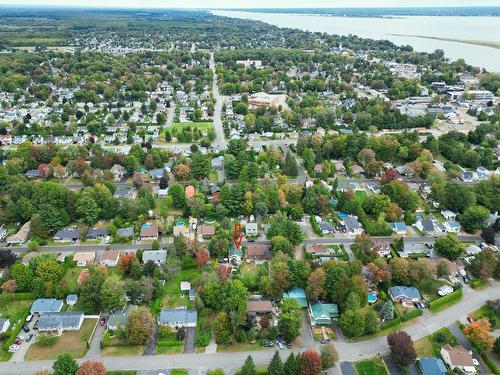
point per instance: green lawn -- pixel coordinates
(178, 371)
(486, 312)
(72, 342)
(360, 196)
(240, 347)
(122, 350)
(70, 279)
(375, 366)
(169, 344)
(429, 346)
(203, 126)
(173, 296)
(14, 310)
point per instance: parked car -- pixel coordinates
(26, 328)
(102, 321)
(280, 345)
(469, 319)
(324, 341)
(267, 344)
(35, 326)
(475, 361)
(13, 348)
(29, 318)
(18, 341)
(30, 336)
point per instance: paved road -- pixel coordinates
(347, 351)
(220, 139)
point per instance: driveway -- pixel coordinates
(462, 340)
(306, 336)
(347, 368)
(95, 345)
(150, 348)
(394, 369)
(189, 340)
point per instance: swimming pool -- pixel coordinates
(180, 223)
(372, 297)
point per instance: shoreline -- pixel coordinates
(482, 43)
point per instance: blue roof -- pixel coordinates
(46, 305)
(342, 215)
(182, 315)
(405, 291)
(432, 366)
(398, 226)
(71, 298)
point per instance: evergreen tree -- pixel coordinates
(276, 365)
(292, 365)
(249, 367)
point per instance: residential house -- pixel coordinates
(318, 250)
(398, 227)
(404, 294)
(149, 232)
(258, 252)
(156, 174)
(414, 248)
(83, 259)
(299, 295)
(425, 225)
(156, 256)
(181, 231)
(382, 247)
(118, 172)
(206, 231)
(125, 232)
(21, 236)
(325, 227)
(3, 233)
(451, 226)
(353, 226)
(258, 307)
(185, 286)
(71, 299)
(67, 235)
(449, 215)
(322, 314)
(4, 325)
(178, 317)
(46, 305)
(97, 233)
(110, 258)
(119, 317)
(432, 366)
(458, 358)
(61, 321)
(251, 229)
(32, 174)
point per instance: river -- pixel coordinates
(402, 31)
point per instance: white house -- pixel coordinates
(178, 317)
(4, 325)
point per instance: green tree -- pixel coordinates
(90, 297)
(292, 365)
(387, 311)
(276, 365)
(280, 243)
(290, 319)
(473, 219)
(200, 165)
(449, 247)
(113, 292)
(49, 270)
(176, 191)
(372, 324)
(23, 276)
(65, 365)
(352, 323)
(248, 367)
(222, 328)
(140, 326)
(329, 355)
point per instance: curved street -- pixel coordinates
(348, 351)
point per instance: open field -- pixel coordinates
(74, 343)
(204, 126)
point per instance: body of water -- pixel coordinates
(486, 29)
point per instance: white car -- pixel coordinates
(475, 361)
(14, 348)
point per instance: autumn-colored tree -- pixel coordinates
(316, 284)
(389, 175)
(479, 335)
(202, 257)
(91, 368)
(402, 350)
(9, 286)
(393, 212)
(311, 362)
(43, 171)
(125, 262)
(222, 271)
(183, 172)
(140, 326)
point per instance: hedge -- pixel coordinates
(15, 331)
(440, 303)
(411, 315)
(315, 226)
(491, 364)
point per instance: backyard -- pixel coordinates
(374, 366)
(74, 343)
(173, 296)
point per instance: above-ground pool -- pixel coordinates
(372, 297)
(146, 225)
(180, 223)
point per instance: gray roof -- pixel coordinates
(71, 298)
(67, 234)
(325, 225)
(432, 366)
(125, 232)
(97, 232)
(179, 314)
(352, 223)
(157, 256)
(46, 305)
(119, 316)
(427, 225)
(60, 320)
(404, 291)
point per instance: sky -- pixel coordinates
(253, 3)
